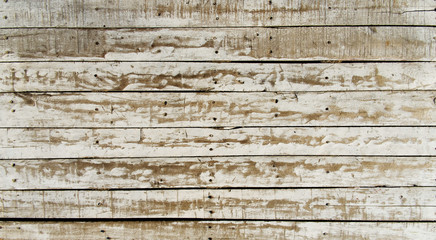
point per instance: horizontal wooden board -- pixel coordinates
(150, 142)
(220, 44)
(217, 172)
(368, 204)
(179, 76)
(216, 230)
(216, 109)
(200, 13)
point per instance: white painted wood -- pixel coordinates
(220, 44)
(216, 109)
(222, 13)
(216, 230)
(246, 77)
(367, 204)
(217, 172)
(149, 142)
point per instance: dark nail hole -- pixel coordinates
(99, 204)
(326, 77)
(217, 18)
(327, 171)
(328, 42)
(277, 100)
(12, 101)
(213, 102)
(270, 51)
(13, 110)
(271, 18)
(98, 173)
(97, 43)
(216, 52)
(13, 164)
(14, 180)
(329, 8)
(95, 75)
(276, 115)
(165, 103)
(6, 17)
(326, 109)
(270, 38)
(327, 204)
(215, 82)
(6, 38)
(211, 212)
(324, 233)
(101, 230)
(209, 238)
(257, 34)
(270, 2)
(96, 109)
(214, 119)
(210, 149)
(214, 3)
(210, 226)
(210, 135)
(209, 196)
(112, 122)
(210, 180)
(96, 142)
(160, 180)
(158, 14)
(104, 26)
(108, 238)
(165, 114)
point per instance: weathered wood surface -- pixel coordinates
(220, 44)
(217, 109)
(365, 204)
(217, 172)
(247, 77)
(154, 142)
(266, 230)
(217, 13)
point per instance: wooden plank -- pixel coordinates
(217, 109)
(367, 204)
(154, 142)
(179, 76)
(219, 13)
(220, 44)
(216, 230)
(217, 172)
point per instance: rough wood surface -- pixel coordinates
(216, 230)
(365, 204)
(246, 77)
(216, 109)
(216, 13)
(153, 142)
(217, 172)
(221, 44)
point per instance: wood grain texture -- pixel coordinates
(219, 13)
(154, 142)
(216, 230)
(178, 76)
(217, 109)
(217, 172)
(367, 204)
(221, 44)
